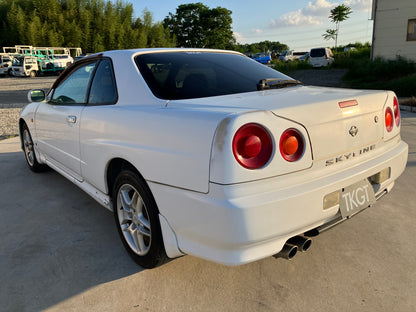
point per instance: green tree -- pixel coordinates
(338, 14)
(275, 47)
(196, 25)
(93, 25)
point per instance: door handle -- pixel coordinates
(71, 119)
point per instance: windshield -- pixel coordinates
(18, 61)
(186, 75)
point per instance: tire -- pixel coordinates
(29, 151)
(32, 74)
(137, 220)
(9, 72)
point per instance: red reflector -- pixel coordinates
(396, 111)
(347, 103)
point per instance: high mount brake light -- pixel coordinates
(252, 146)
(388, 119)
(291, 145)
(396, 111)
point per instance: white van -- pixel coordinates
(321, 57)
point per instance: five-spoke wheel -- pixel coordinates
(137, 220)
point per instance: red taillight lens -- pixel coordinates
(388, 118)
(396, 111)
(252, 146)
(291, 145)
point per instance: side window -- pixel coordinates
(411, 30)
(103, 88)
(73, 90)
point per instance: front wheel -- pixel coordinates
(137, 220)
(32, 74)
(29, 150)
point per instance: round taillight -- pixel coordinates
(396, 111)
(252, 146)
(388, 118)
(291, 145)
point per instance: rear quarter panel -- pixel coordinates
(167, 145)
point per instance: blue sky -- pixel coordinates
(297, 23)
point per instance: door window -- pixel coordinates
(73, 90)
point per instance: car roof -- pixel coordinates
(133, 52)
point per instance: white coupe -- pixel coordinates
(209, 153)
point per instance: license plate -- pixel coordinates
(355, 198)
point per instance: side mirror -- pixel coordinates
(36, 95)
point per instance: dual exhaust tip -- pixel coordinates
(293, 245)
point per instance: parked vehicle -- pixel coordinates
(5, 64)
(25, 66)
(209, 153)
(264, 58)
(349, 49)
(304, 57)
(287, 56)
(321, 57)
(58, 62)
(50, 59)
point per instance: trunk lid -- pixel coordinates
(332, 130)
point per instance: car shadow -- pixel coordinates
(56, 241)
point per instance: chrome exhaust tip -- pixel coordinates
(303, 243)
(288, 252)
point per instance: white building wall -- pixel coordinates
(390, 29)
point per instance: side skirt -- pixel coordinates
(99, 196)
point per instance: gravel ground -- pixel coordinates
(13, 96)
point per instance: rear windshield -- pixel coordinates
(186, 75)
(317, 52)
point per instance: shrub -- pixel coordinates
(397, 75)
(286, 67)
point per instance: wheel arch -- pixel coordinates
(117, 165)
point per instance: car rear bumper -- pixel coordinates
(240, 223)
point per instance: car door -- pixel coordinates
(58, 120)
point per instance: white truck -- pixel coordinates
(25, 66)
(5, 63)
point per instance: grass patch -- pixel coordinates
(287, 67)
(398, 75)
(4, 137)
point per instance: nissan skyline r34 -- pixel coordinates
(212, 154)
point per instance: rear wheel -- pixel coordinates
(29, 150)
(137, 220)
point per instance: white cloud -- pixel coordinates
(313, 14)
(257, 31)
(359, 5)
(239, 37)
